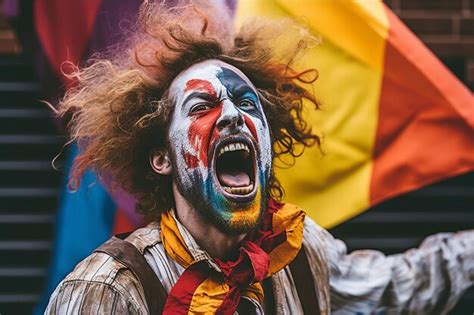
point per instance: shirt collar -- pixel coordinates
(196, 251)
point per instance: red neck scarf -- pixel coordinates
(216, 286)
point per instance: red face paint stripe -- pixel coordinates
(191, 160)
(181, 294)
(201, 131)
(201, 85)
(251, 127)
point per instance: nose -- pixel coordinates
(231, 119)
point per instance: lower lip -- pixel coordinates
(239, 198)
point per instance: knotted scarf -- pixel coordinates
(263, 252)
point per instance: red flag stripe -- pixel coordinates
(63, 29)
(425, 121)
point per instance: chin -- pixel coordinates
(228, 216)
(241, 224)
(236, 218)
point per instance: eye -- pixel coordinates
(246, 104)
(200, 107)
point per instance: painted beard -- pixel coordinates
(230, 195)
(220, 147)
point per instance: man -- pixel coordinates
(190, 119)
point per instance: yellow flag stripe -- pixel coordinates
(335, 186)
(357, 27)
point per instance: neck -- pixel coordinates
(209, 238)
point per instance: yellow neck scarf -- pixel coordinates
(216, 286)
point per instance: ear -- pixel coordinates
(160, 162)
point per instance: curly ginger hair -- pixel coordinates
(119, 109)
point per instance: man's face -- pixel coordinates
(220, 145)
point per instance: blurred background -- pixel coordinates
(30, 189)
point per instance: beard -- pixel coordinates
(202, 195)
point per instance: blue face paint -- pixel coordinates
(238, 90)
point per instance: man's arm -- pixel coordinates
(429, 279)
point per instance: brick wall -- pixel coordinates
(445, 26)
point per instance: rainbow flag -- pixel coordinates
(393, 117)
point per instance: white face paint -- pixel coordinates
(220, 144)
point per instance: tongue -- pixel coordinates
(235, 179)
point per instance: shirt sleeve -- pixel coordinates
(89, 297)
(425, 280)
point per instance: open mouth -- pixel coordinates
(235, 168)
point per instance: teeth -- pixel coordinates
(239, 190)
(234, 147)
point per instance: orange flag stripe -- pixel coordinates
(425, 122)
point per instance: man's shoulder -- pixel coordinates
(312, 227)
(99, 283)
(100, 267)
(145, 237)
(101, 275)
(97, 267)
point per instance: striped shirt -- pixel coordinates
(426, 280)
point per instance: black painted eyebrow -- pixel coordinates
(234, 83)
(242, 89)
(203, 95)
